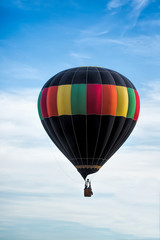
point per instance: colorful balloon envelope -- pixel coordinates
(88, 112)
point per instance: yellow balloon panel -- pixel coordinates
(122, 101)
(64, 100)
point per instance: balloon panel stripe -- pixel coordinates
(122, 101)
(78, 99)
(109, 100)
(94, 99)
(88, 99)
(132, 103)
(137, 106)
(75, 93)
(43, 103)
(52, 101)
(64, 100)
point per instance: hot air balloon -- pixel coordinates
(88, 112)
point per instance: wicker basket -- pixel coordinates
(88, 192)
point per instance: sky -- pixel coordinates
(41, 193)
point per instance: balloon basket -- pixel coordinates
(88, 189)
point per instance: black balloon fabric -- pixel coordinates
(88, 112)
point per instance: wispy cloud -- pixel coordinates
(26, 5)
(116, 4)
(39, 4)
(136, 6)
(152, 22)
(146, 46)
(139, 5)
(79, 55)
(13, 69)
(94, 32)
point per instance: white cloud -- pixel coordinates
(125, 191)
(80, 55)
(146, 46)
(147, 129)
(116, 4)
(137, 7)
(151, 22)
(26, 5)
(140, 4)
(19, 123)
(36, 181)
(15, 70)
(91, 32)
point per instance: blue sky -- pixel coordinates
(41, 193)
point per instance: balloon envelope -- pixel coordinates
(88, 112)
